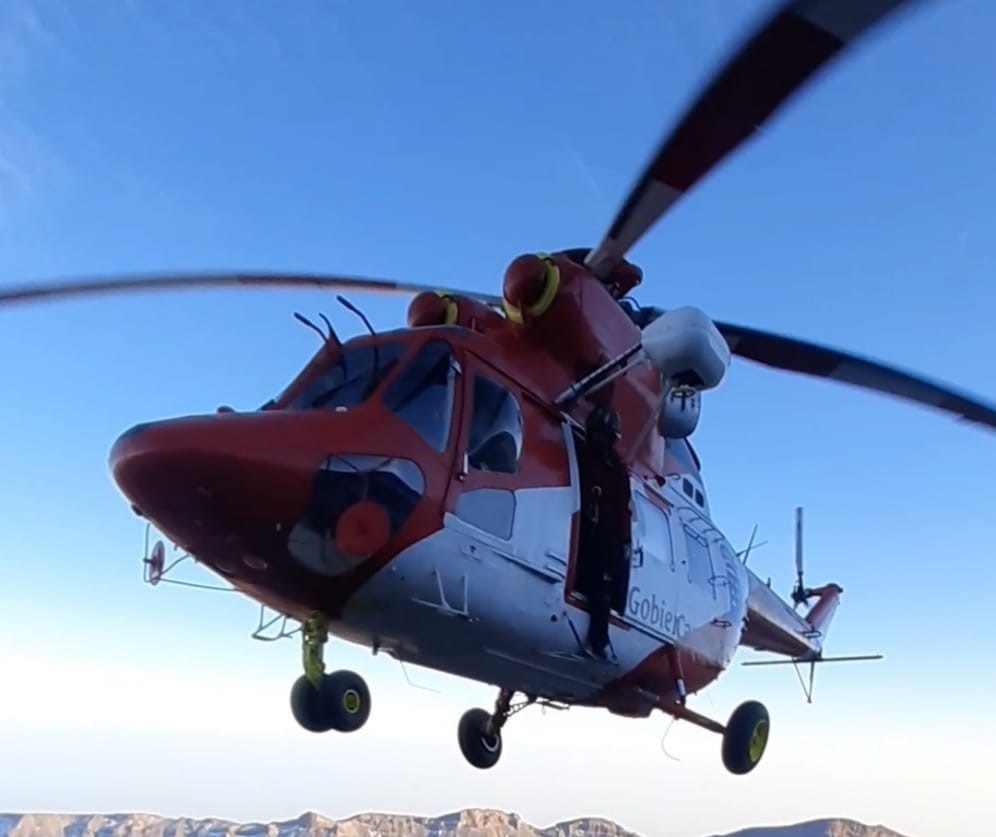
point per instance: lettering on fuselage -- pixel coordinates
(654, 613)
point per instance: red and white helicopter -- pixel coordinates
(505, 489)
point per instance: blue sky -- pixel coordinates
(434, 142)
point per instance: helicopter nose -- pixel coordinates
(206, 468)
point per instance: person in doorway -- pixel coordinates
(608, 516)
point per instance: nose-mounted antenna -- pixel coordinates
(345, 303)
(326, 336)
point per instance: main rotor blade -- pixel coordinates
(788, 49)
(807, 358)
(46, 291)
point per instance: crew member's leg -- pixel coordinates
(620, 578)
(600, 602)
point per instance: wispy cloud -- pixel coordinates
(586, 175)
(31, 32)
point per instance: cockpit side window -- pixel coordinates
(495, 442)
(422, 394)
(352, 378)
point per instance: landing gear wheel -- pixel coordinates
(480, 745)
(341, 702)
(348, 700)
(308, 706)
(746, 737)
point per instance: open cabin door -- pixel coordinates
(512, 488)
(601, 565)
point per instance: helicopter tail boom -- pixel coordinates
(805, 644)
(774, 626)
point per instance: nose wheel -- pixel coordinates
(321, 702)
(480, 740)
(479, 731)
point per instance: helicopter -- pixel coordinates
(505, 489)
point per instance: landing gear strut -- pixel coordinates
(321, 702)
(745, 735)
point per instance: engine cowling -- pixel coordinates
(688, 350)
(430, 308)
(566, 310)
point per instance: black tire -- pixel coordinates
(341, 702)
(746, 737)
(347, 700)
(480, 749)
(309, 705)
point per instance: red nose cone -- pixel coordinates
(211, 475)
(178, 458)
(137, 458)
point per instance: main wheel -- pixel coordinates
(348, 700)
(341, 702)
(479, 747)
(309, 705)
(746, 737)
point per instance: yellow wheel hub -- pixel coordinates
(758, 740)
(351, 701)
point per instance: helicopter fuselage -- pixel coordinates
(429, 504)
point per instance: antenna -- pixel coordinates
(375, 378)
(744, 554)
(345, 303)
(801, 594)
(303, 319)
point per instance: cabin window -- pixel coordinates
(655, 531)
(422, 394)
(352, 378)
(699, 560)
(495, 442)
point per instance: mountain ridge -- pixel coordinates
(467, 822)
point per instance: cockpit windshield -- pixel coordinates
(422, 395)
(351, 379)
